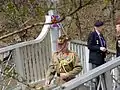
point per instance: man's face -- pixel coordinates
(118, 28)
(62, 47)
(100, 29)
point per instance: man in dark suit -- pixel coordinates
(97, 46)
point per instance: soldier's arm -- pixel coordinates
(77, 67)
(51, 70)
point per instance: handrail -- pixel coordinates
(90, 75)
(84, 43)
(37, 40)
(75, 45)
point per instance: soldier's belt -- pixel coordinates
(67, 79)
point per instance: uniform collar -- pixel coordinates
(97, 32)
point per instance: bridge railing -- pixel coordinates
(81, 48)
(31, 58)
(79, 81)
(108, 68)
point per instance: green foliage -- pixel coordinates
(106, 1)
(10, 9)
(17, 13)
(11, 13)
(31, 1)
(39, 11)
(24, 11)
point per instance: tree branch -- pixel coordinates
(37, 24)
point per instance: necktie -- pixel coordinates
(102, 41)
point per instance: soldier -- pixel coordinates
(65, 63)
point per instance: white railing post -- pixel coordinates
(87, 59)
(19, 66)
(19, 62)
(108, 80)
(54, 33)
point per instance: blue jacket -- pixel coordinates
(96, 56)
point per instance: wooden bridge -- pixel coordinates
(31, 59)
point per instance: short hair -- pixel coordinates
(98, 23)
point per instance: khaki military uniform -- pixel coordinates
(64, 63)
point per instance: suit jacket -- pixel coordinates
(96, 56)
(118, 46)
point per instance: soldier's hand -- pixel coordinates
(63, 75)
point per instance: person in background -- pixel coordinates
(117, 26)
(118, 37)
(65, 63)
(97, 47)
